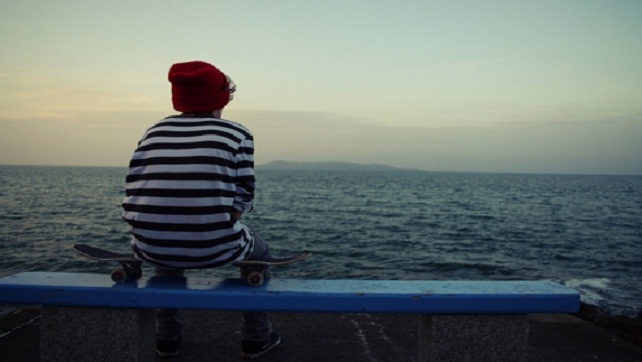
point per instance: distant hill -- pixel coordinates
(324, 166)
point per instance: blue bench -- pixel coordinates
(460, 320)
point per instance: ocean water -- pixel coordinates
(583, 231)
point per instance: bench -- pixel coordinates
(459, 320)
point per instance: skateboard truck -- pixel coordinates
(131, 268)
(256, 275)
(257, 272)
(129, 271)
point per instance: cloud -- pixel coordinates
(107, 139)
(79, 138)
(62, 103)
(533, 147)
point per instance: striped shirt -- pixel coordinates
(184, 180)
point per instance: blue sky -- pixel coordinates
(491, 86)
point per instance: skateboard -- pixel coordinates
(130, 266)
(256, 272)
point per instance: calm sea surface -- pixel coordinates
(584, 231)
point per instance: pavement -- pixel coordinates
(215, 336)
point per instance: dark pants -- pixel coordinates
(256, 325)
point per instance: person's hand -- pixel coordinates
(237, 215)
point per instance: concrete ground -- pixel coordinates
(215, 336)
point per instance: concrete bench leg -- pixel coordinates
(96, 334)
(446, 338)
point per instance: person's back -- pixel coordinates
(189, 182)
(187, 177)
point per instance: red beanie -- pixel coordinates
(198, 87)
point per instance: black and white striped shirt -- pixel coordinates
(186, 177)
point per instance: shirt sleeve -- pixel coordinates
(244, 181)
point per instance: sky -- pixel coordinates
(481, 86)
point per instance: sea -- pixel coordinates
(579, 230)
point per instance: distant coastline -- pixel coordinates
(327, 166)
(337, 166)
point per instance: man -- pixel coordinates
(189, 183)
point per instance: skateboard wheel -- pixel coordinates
(255, 279)
(118, 275)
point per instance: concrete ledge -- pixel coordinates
(455, 338)
(460, 320)
(96, 334)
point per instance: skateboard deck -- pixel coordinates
(130, 266)
(257, 271)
